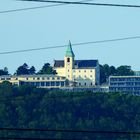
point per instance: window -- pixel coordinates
(37, 84)
(79, 71)
(58, 78)
(38, 78)
(2, 78)
(62, 84)
(43, 78)
(85, 84)
(90, 70)
(79, 84)
(62, 78)
(52, 83)
(26, 78)
(42, 84)
(53, 78)
(47, 84)
(84, 70)
(68, 59)
(8, 78)
(57, 83)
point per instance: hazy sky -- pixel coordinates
(78, 23)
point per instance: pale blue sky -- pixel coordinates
(57, 25)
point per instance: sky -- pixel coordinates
(55, 26)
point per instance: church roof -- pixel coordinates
(86, 63)
(78, 63)
(69, 51)
(58, 63)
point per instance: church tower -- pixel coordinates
(69, 62)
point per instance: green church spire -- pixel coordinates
(69, 51)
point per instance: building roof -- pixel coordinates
(58, 63)
(69, 51)
(86, 63)
(78, 63)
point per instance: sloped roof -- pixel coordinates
(59, 63)
(69, 51)
(78, 63)
(86, 63)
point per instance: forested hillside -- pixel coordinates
(32, 108)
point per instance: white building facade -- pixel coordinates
(40, 81)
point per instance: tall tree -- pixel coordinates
(32, 70)
(4, 71)
(112, 70)
(104, 73)
(47, 69)
(124, 70)
(24, 69)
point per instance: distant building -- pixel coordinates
(70, 73)
(137, 73)
(40, 81)
(124, 84)
(79, 72)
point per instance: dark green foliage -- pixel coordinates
(106, 71)
(124, 70)
(25, 70)
(30, 107)
(4, 71)
(32, 70)
(47, 69)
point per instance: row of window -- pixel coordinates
(74, 76)
(124, 88)
(85, 84)
(34, 78)
(44, 84)
(125, 79)
(82, 70)
(126, 84)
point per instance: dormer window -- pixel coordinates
(68, 59)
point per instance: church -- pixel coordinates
(70, 73)
(78, 72)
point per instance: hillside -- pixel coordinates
(29, 107)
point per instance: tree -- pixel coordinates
(32, 70)
(5, 88)
(24, 69)
(47, 69)
(124, 71)
(112, 70)
(4, 71)
(104, 73)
